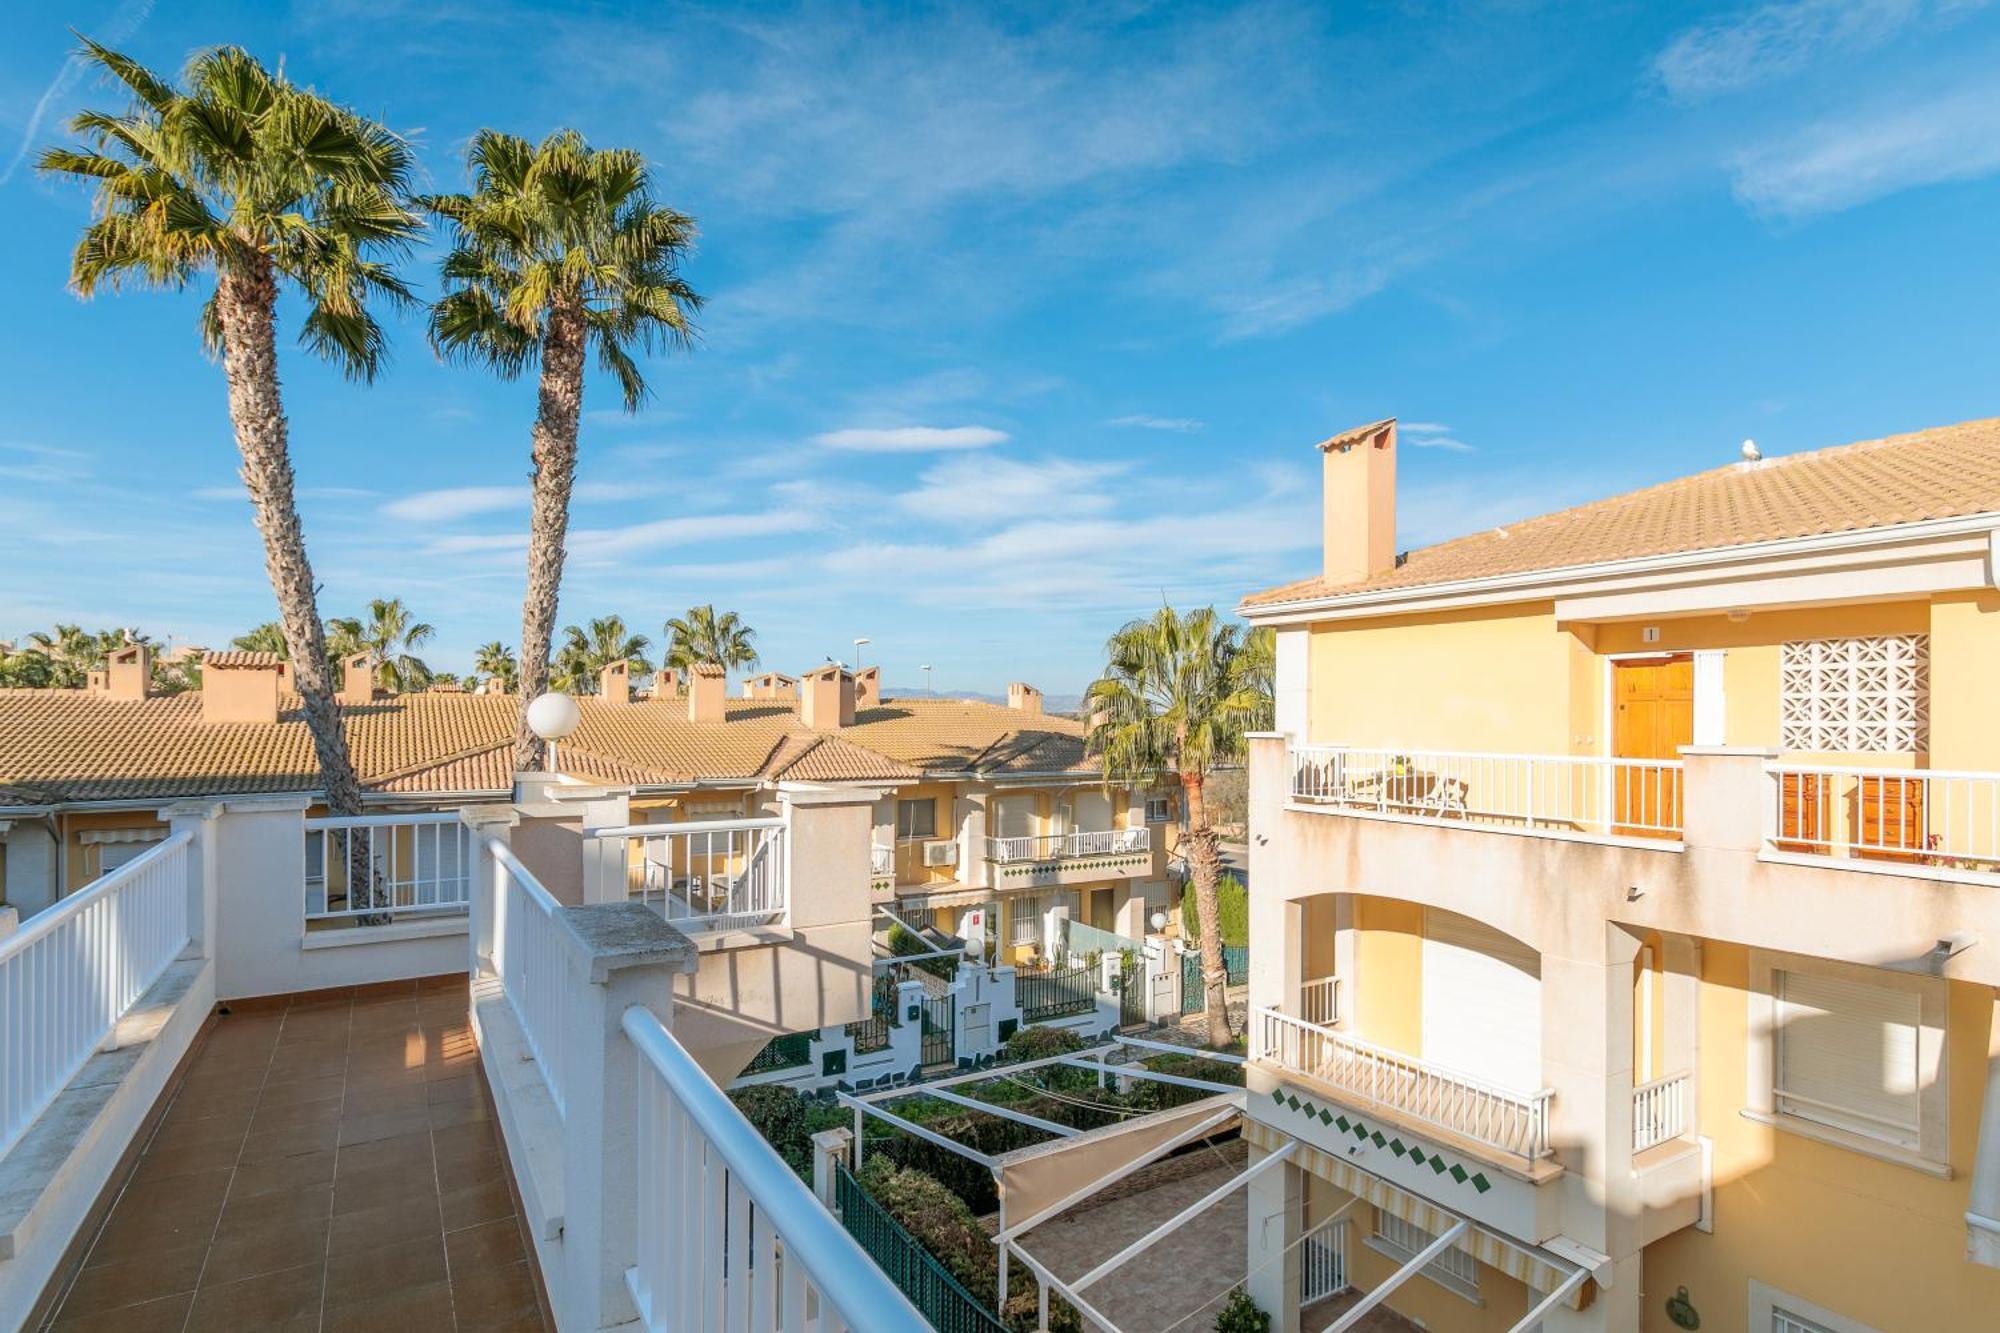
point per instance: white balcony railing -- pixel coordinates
(1660, 1111)
(1552, 793)
(1319, 1001)
(371, 869)
(881, 860)
(70, 973)
(1931, 817)
(534, 963)
(1512, 1122)
(728, 1237)
(718, 874)
(1060, 846)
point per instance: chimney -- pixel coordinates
(357, 680)
(707, 690)
(868, 687)
(614, 683)
(1358, 503)
(1024, 697)
(96, 681)
(666, 684)
(493, 685)
(826, 698)
(129, 672)
(241, 687)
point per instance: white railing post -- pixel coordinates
(197, 819)
(625, 956)
(483, 824)
(830, 1148)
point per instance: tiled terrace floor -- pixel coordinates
(327, 1164)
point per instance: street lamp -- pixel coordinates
(553, 717)
(859, 644)
(927, 677)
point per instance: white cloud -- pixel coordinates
(1430, 435)
(1892, 145)
(465, 501)
(1775, 40)
(124, 21)
(609, 545)
(1139, 421)
(43, 464)
(911, 439)
(988, 490)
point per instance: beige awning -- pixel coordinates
(93, 836)
(1519, 1261)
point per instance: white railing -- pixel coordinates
(1930, 816)
(70, 973)
(372, 869)
(1659, 1110)
(1514, 1122)
(881, 860)
(728, 1237)
(1319, 1001)
(1055, 846)
(1323, 1261)
(717, 874)
(533, 959)
(1551, 793)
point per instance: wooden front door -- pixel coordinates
(1652, 718)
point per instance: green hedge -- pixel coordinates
(1232, 904)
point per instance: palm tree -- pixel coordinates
(497, 659)
(703, 636)
(387, 636)
(250, 178)
(1177, 694)
(268, 637)
(558, 249)
(585, 652)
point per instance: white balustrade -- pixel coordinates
(534, 961)
(1056, 846)
(720, 874)
(70, 973)
(1928, 817)
(881, 860)
(1660, 1110)
(728, 1237)
(1511, 1121)
(1583, 794)
(1319, 1001)
(371, 869)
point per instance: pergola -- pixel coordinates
(1152, 1137)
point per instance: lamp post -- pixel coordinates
(927, 677)
(553, 717)
(859, 644)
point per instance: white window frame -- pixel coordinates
(1768, 1302)
(1028, 909)
(1930, 1150)
(1455, 1270)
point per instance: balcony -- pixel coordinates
(707, 876)
(1509, 1123)
(1570, 795)
(1076, 857)
(1935, 820)
(1660, 1110)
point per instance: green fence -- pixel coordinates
(1235, 967)
(934, 1291)
(786, 1052)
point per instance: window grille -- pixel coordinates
(1864, 695)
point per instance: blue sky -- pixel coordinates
(1019, 323)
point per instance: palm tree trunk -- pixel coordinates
(1204, 860)
(246, 303)
(558, 408)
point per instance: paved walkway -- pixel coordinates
(326, 1165)
(1178, 1284)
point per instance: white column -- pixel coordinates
(628, 956)
(1276, 1203)
(198, 819)
(831, 1148)
(1982, 1222)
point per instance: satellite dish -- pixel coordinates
(1751, 453)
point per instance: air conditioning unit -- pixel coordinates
(940, 853)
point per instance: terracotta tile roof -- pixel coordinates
(1944, 472)
(243, 660)
(71, 745)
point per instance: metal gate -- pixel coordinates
(1132, 992)
(940, 1038)
(1323, 1262)
(1235, 972)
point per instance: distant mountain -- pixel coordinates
(1068, 704)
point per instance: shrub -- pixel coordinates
(1039, 1042)
(1150, 1096)
(1232, 905)
(781, 1116)
(1241, 1315)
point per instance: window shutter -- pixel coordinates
(1848, 1055)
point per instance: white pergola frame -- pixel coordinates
(866, 1105)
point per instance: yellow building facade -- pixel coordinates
(1629, 880)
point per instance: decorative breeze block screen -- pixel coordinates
(1867, 695)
